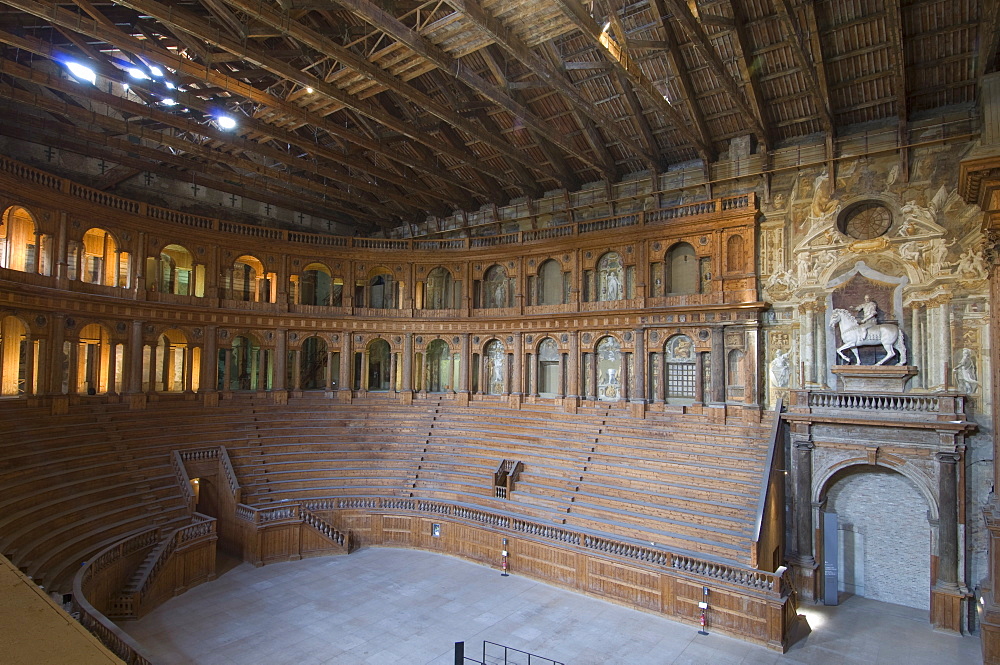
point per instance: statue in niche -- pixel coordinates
(614, 285)
(853, 334)
(780, 369)
(965, 373)
(680, 348)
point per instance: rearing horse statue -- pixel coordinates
(888, 335)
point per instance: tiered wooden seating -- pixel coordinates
(77, 482)
(315, 447)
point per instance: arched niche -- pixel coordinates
(176, 272)
(101, 259)
(176, 363)
(379, 355)
(495, 368)
(680, 369)
(549, 378)
(245, 365)
(317, 286)
(609, 369)
(19, 240)
(17, 353)
(96, 363)
(378, 291)
(440, 367)
(497, 289)
(610, 278)
(248, 281)
(682, 270)
(441, 291)
(550, 283)
(884, 533)
(313, 359)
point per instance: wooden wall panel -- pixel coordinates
(629, 585)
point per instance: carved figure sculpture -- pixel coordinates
(971, 265)
(886, 335)
(869, 315)
(966, 375)
(780, 369)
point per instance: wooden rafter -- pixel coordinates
(552, 77)
(382, 20)
(894, 26)
(323, 44)
(753, 110)
(616, 55)
(989, 40)
(681, 72)
(182, 20)
(798, 41)
(187, 68)
(129, 108)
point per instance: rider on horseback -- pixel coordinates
(869, 314)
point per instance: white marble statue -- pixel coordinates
(965, 373)
(886, 335)
(780, 369)
(869, 315)
(971, 265)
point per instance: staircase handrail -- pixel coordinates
(769, 469)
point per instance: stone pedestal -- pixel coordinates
(873, 378)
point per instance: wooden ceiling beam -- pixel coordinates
(390, 25)
(676, 62)
(989, 39)
(798, 40)
(617, 56)
(121, 151)
(323, 44)
(188, 68)
(219, 10)
(182, 20)
(590, 128)
(200, 152)
(510, 43)
(494, 58)
(894, 26)
(753, 109)
(129, 108)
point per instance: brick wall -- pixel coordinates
(884, 537)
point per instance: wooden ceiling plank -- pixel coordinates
(189, 68)
(676, 63)
(445, 62)
(894, 26)
(323, 44)
(753, 109)
(511, 44)
(633, 73)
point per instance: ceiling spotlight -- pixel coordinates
(169, 85)
(309, 90)
(125, 87)
(137, 73)
(225, 122)
(82, 72)
(606, 26)
(166, 101)
(156, 71)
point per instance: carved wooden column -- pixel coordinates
(717, 389)
(573, 369)
(533, 366)
(699, 376)
(280, 359)
(346, 363)
(393, 368)
(803, 560)
(134, 383)
(593, 392)
(624, 393)
(948, 594)
(517, 385)
(209, 362)
(639, 396)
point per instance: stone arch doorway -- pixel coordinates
(440, 375)
(883, 535)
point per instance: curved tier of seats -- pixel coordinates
(76, 482)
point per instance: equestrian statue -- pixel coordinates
(869, 332)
